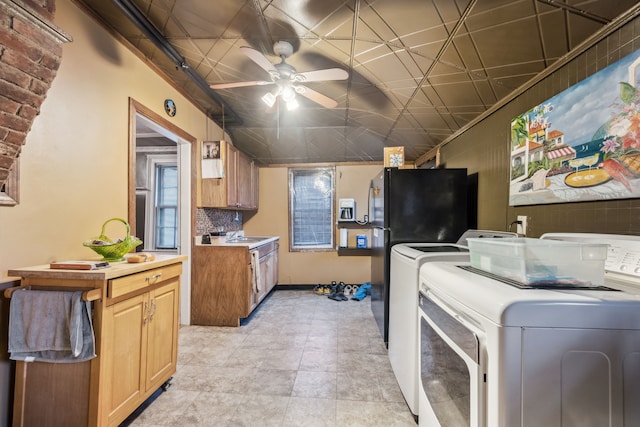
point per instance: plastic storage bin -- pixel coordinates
(535, 261)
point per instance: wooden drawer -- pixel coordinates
(267, 248)
(134, 282)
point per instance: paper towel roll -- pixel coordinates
(344, 237)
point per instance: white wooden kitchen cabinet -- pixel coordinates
(267, 272)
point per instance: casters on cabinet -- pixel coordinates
(166, 384)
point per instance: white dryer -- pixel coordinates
(406, 260)
(497, 353)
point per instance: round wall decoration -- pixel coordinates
(170, 107)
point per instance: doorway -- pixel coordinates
(161, 211)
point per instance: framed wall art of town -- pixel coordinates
(582, 144)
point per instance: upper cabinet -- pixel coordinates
(238, 188)
(244, 184)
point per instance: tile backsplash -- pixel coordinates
(209, 219)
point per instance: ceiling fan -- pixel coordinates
(287, 79)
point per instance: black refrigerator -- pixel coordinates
(411, 206)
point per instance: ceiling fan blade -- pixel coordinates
(324, 75)
(317, 97)
(239, 84)
(259, 59)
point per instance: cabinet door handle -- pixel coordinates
(152, 312)
(154, 277)
(146, 313)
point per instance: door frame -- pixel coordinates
(187, 154)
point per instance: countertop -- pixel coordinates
(222, 241)
(115, 269)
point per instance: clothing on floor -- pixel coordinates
(362, 292)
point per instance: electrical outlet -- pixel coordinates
(522, 227)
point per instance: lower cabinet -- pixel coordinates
(223, 282)
(135, 321)
(267, 274)
(142, 331)
(124, 333)
(162, 345)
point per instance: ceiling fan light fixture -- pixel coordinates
(288, 94)
(269, 99)
(285, 77)
(292, 104)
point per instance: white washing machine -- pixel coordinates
(497, 354)
(406, 259)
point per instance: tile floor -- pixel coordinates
(302, 360)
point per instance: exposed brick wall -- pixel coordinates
(45, 8)
(30, 55)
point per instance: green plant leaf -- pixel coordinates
(627, 93)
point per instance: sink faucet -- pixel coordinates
(231, 235)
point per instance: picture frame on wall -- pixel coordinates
(10, 189)
(393, 157)
(582, 144)
(212, 165)
(210, 149)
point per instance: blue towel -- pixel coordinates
(362, 292)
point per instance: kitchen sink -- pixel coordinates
(246, 239)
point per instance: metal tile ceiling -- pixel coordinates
(419, 70)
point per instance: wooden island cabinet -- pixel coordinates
(227, 285)
(135, 321)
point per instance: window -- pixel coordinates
(311, 212)
(166, 211)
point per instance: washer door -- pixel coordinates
(451, 376)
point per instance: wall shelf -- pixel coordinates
(354, 251)
(354, 225)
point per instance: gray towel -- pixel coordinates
(50, 326)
